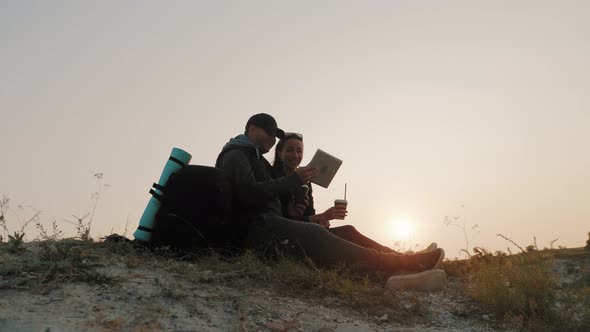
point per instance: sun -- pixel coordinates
(402, 228)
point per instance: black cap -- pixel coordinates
(266, 122)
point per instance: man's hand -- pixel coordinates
(307, 173)
(295, 211)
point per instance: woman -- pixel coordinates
(288, 156)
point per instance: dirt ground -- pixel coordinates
(106, 290)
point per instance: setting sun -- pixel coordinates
(402, 228)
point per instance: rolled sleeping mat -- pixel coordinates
(177, 160)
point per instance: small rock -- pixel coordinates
(384, 318)
(486, 317)
(207, 276)
(330, 300)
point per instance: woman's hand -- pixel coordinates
(336, 212)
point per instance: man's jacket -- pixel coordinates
(256, 192)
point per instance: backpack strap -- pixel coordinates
(159, 187)
(155, 193)
(176, 160)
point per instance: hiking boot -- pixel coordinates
(430, 247)
(423, 261)
(412, 263)
(431, 280)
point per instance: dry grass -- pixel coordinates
(520, 285)
(41, 265)
(35, 265)
(521, 288)
(525, 290)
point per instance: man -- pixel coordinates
(258, 206)
(250, 173)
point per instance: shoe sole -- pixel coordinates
(440, 259)
(431, 280)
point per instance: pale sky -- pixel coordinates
(432, 105)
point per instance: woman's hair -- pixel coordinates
(277, 164)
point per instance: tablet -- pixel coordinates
(328, 166)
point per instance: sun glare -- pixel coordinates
(402, 228)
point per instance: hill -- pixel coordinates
(74, 285)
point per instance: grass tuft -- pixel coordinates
(524, 288)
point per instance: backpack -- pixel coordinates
(196, 210)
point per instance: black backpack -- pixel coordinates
(196, 211)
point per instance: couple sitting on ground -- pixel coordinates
(268, 215)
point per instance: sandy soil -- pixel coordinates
(147, 296)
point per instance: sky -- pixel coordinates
(474, 110)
